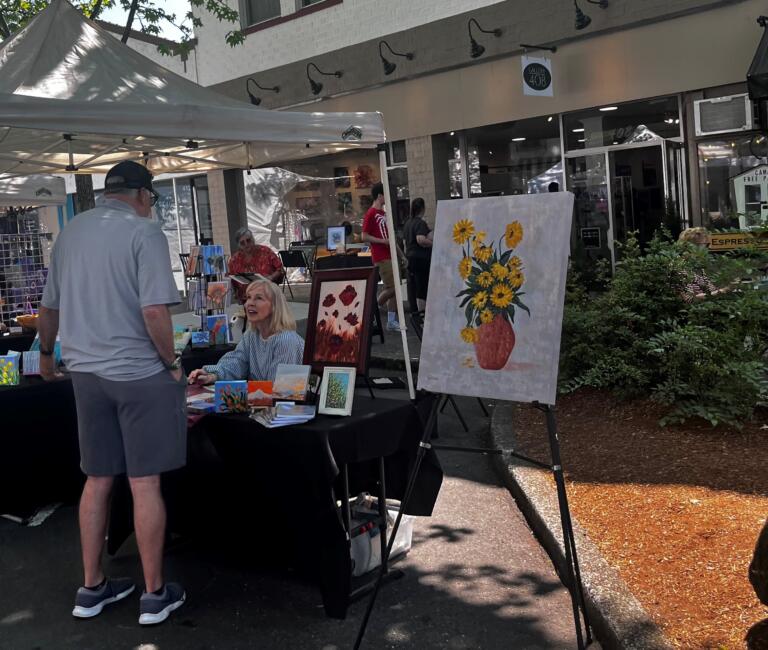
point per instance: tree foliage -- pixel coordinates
(704, 358)
(144, 15)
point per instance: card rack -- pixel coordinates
(23, 269)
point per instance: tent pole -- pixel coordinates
(395, 265)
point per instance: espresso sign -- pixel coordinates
(537, 76)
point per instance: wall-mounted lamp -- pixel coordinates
(582, 20)
(254, 99)
(316, 86)
(549, 48)
(475, 49)
(390, 67)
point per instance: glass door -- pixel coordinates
(676, 208)
(592, 237)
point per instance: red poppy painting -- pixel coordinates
(338, 326)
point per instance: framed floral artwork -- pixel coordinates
(339, 321)
(337, 391)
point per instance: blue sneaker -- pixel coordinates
(155, 608)
(90, 602)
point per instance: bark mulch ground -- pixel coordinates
(675, 510)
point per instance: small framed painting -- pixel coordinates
(337, 391)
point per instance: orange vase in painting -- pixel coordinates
(494, 343)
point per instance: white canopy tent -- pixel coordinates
(75, 99)
(35, 190)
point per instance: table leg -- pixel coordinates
(383, 514)
(346, 512)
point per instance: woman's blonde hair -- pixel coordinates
(281, 319)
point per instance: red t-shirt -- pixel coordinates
(375, 224)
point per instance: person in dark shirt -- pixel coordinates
(418, 250)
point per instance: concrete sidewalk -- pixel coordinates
(475, 578)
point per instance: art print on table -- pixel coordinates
(201, 340)
(218, 329)
(291, 382)
(9, 368)
(337, 391)
(231, 396)
(338, 324)
(495, 302)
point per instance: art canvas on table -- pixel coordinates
(495, 301)
(340, 312)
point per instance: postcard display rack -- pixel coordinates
(209, 291)
(22, 273)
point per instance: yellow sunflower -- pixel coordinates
(513, 234)
(516, 278)
(479, 299)
(485, 279)
(499, 271)
(479, 237)
(486, 316)
(501, 296)
(469, 334)
(465, 267)
(463, 230)
(483, 254)
(514, 262)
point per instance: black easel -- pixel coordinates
(572, 580)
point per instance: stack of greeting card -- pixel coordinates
(284, 415)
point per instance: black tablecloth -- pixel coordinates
(243, 480)
(39, 451)
(39, 455)
(17, 342)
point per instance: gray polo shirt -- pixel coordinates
(106, 265)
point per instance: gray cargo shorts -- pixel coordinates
(136, 427)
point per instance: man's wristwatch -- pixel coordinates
(173, 365)
(45, 353)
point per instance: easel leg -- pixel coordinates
(423, 446)
(368, 384)
(569, 542)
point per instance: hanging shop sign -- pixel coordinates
(537, 76)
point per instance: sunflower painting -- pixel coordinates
(495, 302)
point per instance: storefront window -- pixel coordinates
(618, 124)
(724, 199)
(521, 157)
(446, 153)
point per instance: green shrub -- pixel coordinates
(640, 338)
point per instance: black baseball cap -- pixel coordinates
(128, 175)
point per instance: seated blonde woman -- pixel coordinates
(270, 339)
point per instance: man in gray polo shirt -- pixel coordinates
(108, 291)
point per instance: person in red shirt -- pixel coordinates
(375, 233)
(253, 258)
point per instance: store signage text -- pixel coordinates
(537, 76)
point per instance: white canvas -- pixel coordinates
(530, 234)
